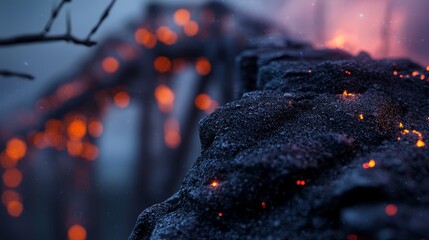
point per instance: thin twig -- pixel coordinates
(7, 73)
(43, 37)
(101, 20)
(54, 15)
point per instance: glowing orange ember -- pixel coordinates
(145, 38)
(15, 208)
(391, 210)
(77, 129)
(10, 195)
(16, 148)
(361, 116)
(422, 77)
(427, 68)
(300, 182)
(401, 125)
(415, 73)
(203, 101)
(76, 232)
(162, 64)
(203, 66)
(214, 184)
(110, 65)
(395, 73)
(182, 16)
(420, 143)
(369, 164)
(346, 94)
(191, 29)
(122, 99)
(95, 128)
(12, 178)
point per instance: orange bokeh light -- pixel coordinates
(95, 128)
(203, 101)
(214, 184)
(164, 95)
(172, 139)
(145, 38)
(166, 36)
(110, 65)
(191, 29)
(420, 143)
(15, 208)
(10, 195)
(6, 162)
(12, 177)
(182, 16)
(77, 129)
(203, 66)
(16, 148)
(74, 148)
(76, 232)
(162, 64)
(122, 99)
(89, 152)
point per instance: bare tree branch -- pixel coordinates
(44, 37)
(7, 73)
(101, 20)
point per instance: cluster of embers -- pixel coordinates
(315, 148)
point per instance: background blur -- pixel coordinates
(106, 131)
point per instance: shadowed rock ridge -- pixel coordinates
(291, 159)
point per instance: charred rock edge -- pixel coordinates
(289, 156)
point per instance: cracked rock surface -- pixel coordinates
(322, 145)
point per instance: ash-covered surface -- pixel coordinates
(292, 158)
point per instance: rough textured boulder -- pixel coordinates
(323, 145)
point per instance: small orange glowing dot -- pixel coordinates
(12, 177)
(76, 232)
(365, 165)
(110, 65)
(16, 148)
(401, 125)
(203, 66)
(422, 77)
(122, 99)
(191, 29)
(220, 214)
(395, 73)
(391, 210)
(399, 138)
(172, 139)
(420, 143)
(371, 163)
(263, 205)
(14, 208)
(165, 97)
(347, 94)
(427, 68)
(182, 16)
(214, 184)
(162, 64)
(74, 148)
(361, 116)
(300, 182)
(415, 73)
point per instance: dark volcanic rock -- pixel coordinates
(292, 159)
